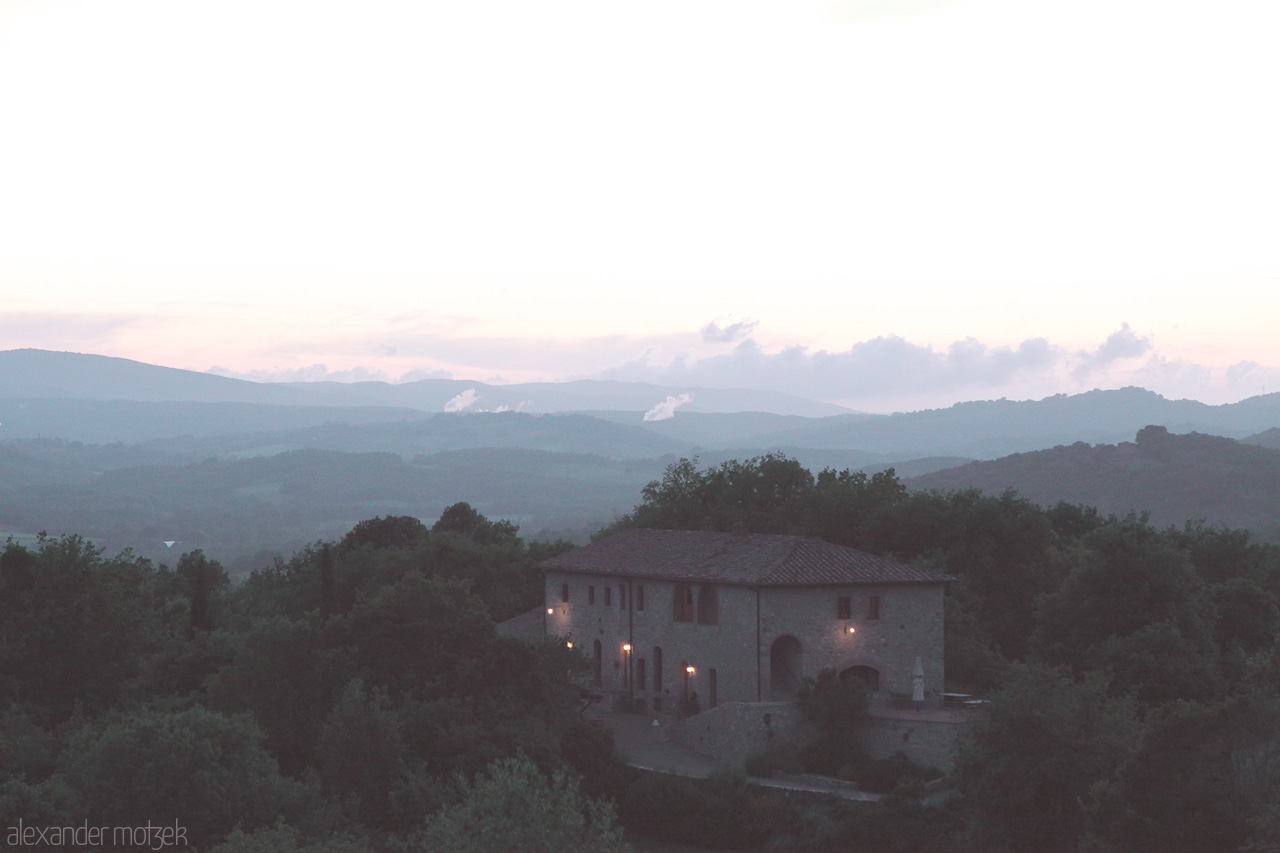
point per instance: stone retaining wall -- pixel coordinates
(732, 732)
(736, 730)
(927, 742)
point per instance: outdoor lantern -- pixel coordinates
(852, 630)
(689, 670)
(550, 610)
(626, 647)
(569, 644)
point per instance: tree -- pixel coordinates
(283, 675)
(513, 806)
(1199, 775)
(207, 771)
(416, 635)
(205, 579)
(394, 531)
(283, 838)
(363, 761)
(461, 519)
(74, 626)
(841, 503)
(835, 706)
(1127, 576)
(1029, 764)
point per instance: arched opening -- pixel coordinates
(708, 605)
(786, 667)
(868, 676)
(682, 609)
(597, 655)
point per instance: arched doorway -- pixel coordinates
(786, 667)
(869, 676)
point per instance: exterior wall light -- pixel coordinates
(689, 670)
(626, 647)
(569, 644)
(550, 610)
(852, 630)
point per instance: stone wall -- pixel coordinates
(734, 731)
(929, 742)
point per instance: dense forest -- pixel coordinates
(355, 696)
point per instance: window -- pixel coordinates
(873, 607)
(844, 607)
(591, 595)
(640, 597)
(622, 596)
(564, 592)
(608, 596)
(708, 605)
(682, 611)
(640, 674)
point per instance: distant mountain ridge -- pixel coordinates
(994, 428)
(1174, 477)
(121, 450)
(43, 374)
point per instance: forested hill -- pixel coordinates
(1174, 477)
(989, 429)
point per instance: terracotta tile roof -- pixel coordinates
(755, 559)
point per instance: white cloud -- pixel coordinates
(667, 408)
(1122, 345)
(891, 373)
(311, 373)
(713, 333)
(463, 401)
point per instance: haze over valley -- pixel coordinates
(134, 455)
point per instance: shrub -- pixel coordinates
(722, 811)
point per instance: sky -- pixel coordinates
(889, 204)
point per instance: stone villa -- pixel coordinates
(672, 615)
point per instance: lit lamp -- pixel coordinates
(626, 647)
(550, 610)
(852, 630)
(569, 644)
(689, 670)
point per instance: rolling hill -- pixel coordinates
(1174, 477)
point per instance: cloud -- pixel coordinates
(1119, 346)
(463, 401)
(420, 373)
(888, 367)
(667, 408)
(311, 373)
(712, 333)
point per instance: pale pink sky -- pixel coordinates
(889, 205)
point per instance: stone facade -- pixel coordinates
(749, 615)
